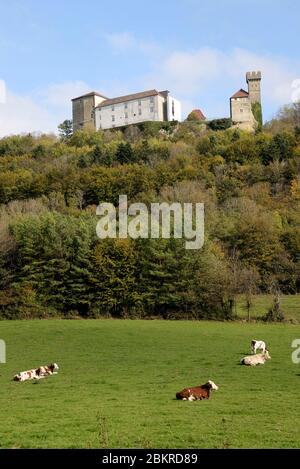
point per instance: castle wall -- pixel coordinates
(173, 109)
(130, 112)
(83, 111)
(241, 110)
(253, 80)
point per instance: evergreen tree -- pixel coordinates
(97, 155)
(65, 129)
(124, 153)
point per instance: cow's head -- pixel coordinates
(267, 355)
(212, 385)
(55, 366)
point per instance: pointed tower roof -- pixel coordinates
(240, 94)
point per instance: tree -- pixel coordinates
(195, 115)
(220, 124)
(275, 313)
(257, 113)
(124, 153)
(97, 155)
(114, 279)
(250, 281)
(53, 260)
(65, 129)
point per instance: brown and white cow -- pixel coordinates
(48, 370)
(197, 393)
(37, 373)
(25, 375)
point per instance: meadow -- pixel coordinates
(118, 378)
(260, 304)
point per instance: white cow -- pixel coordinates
(258, 359)
(258, 345)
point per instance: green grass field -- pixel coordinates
(117, 382)
(290, 305)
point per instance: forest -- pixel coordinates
(52, 264)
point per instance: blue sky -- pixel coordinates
(51, 51)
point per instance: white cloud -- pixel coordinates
(122, 40)
(210, 76)
(126, 41)
(60, 95)
(190, 71)
(20, 114)
(41, 111)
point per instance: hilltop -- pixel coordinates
(52, 263)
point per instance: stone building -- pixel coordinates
(244, 104)
(83, 110)
(94, 110)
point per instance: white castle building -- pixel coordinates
(99, 112)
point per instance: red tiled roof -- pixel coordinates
(130, 97)
(240, 94)
(198, 114)
(92, 93)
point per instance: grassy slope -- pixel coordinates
(118, 379)
(290, 305)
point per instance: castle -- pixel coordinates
(96, 111)
(245, 106)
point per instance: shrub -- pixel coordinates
(220, 124)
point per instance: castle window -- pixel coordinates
(113, 108)
(140, 102)
(126, 115)
(151, 108)
(125, 105)
(173, 108)
(140, 112)
(113, 118)
(151, 99)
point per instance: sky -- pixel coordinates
(200, 50)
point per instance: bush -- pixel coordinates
(220, 124)
(275, 313)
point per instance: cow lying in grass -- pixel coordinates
(37, 373)
(197, 393)
(258, 359)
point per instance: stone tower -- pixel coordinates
(253, 80)
(83, 110)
